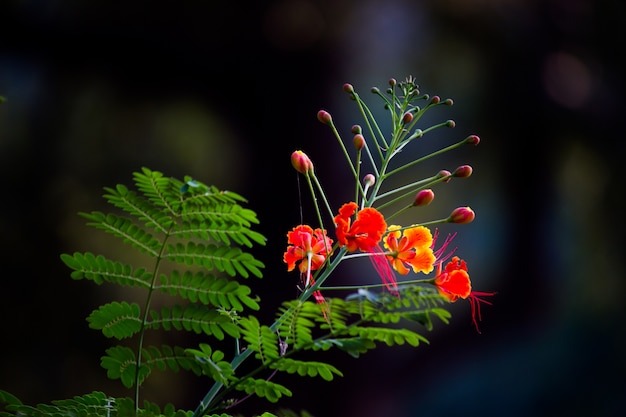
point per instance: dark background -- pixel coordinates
(224, 91)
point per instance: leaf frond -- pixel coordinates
(231, 260)
(194, 317)
(161, 191)
(115, 319)
(200, 287)
(128, 200)
(306, 368)
(261, 339)
(263, 389)
(100, 269)
(120, 363)
(126, 230)
(172, 358)
(297, 321)
(212, 363)
(218, 231)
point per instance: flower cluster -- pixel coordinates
(361, 229)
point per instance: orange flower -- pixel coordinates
(454, 283)
(310, 248)
(410, 248)
(364, 233)
(304, 243)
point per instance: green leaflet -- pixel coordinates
(119, 320)
(307, 368)
(125, 229)
(95, 404)
(195, 318)
(200, 287)
(261, 339)
(264, 389)
(226, 259)
(100, 269)
(212, 363)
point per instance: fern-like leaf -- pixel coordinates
(390, 336)
(424, 317)
(161, 191)
(263, 389)
(231, 260)
(212, 363)
(306, 368)
(194, 317)
(208, 289)
(120, 363)
(100, 269)
(125, 229)
(176, 223)
(353, 346)
(262, 340)
(96, 404)
(219, 231)
(119, 320)
(137, 206)
(297, 321)
(173, 358)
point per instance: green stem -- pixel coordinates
(146, 311)
(376, 286)
(343, 148)
(413, 186)
(424, 158)
(326, 204)
(367, 116)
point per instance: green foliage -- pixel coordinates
(352, 324)
(96, 404)
(263, 388)
(194, 235)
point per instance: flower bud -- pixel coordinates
(356, 129)
(448, 102)
(369, 180)
(424, 198)
(301, 162)
(392, 82)
(472, 140)
(450, 123)
(348, 88)
(444, 173)
(463, 171)
(407, 118)
(461, 215)
(435, 100)
(324, 117)
(359, 141)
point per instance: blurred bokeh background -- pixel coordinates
(224, 91)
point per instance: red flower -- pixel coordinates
(454, 283)
(364, 233)
(304, 243)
